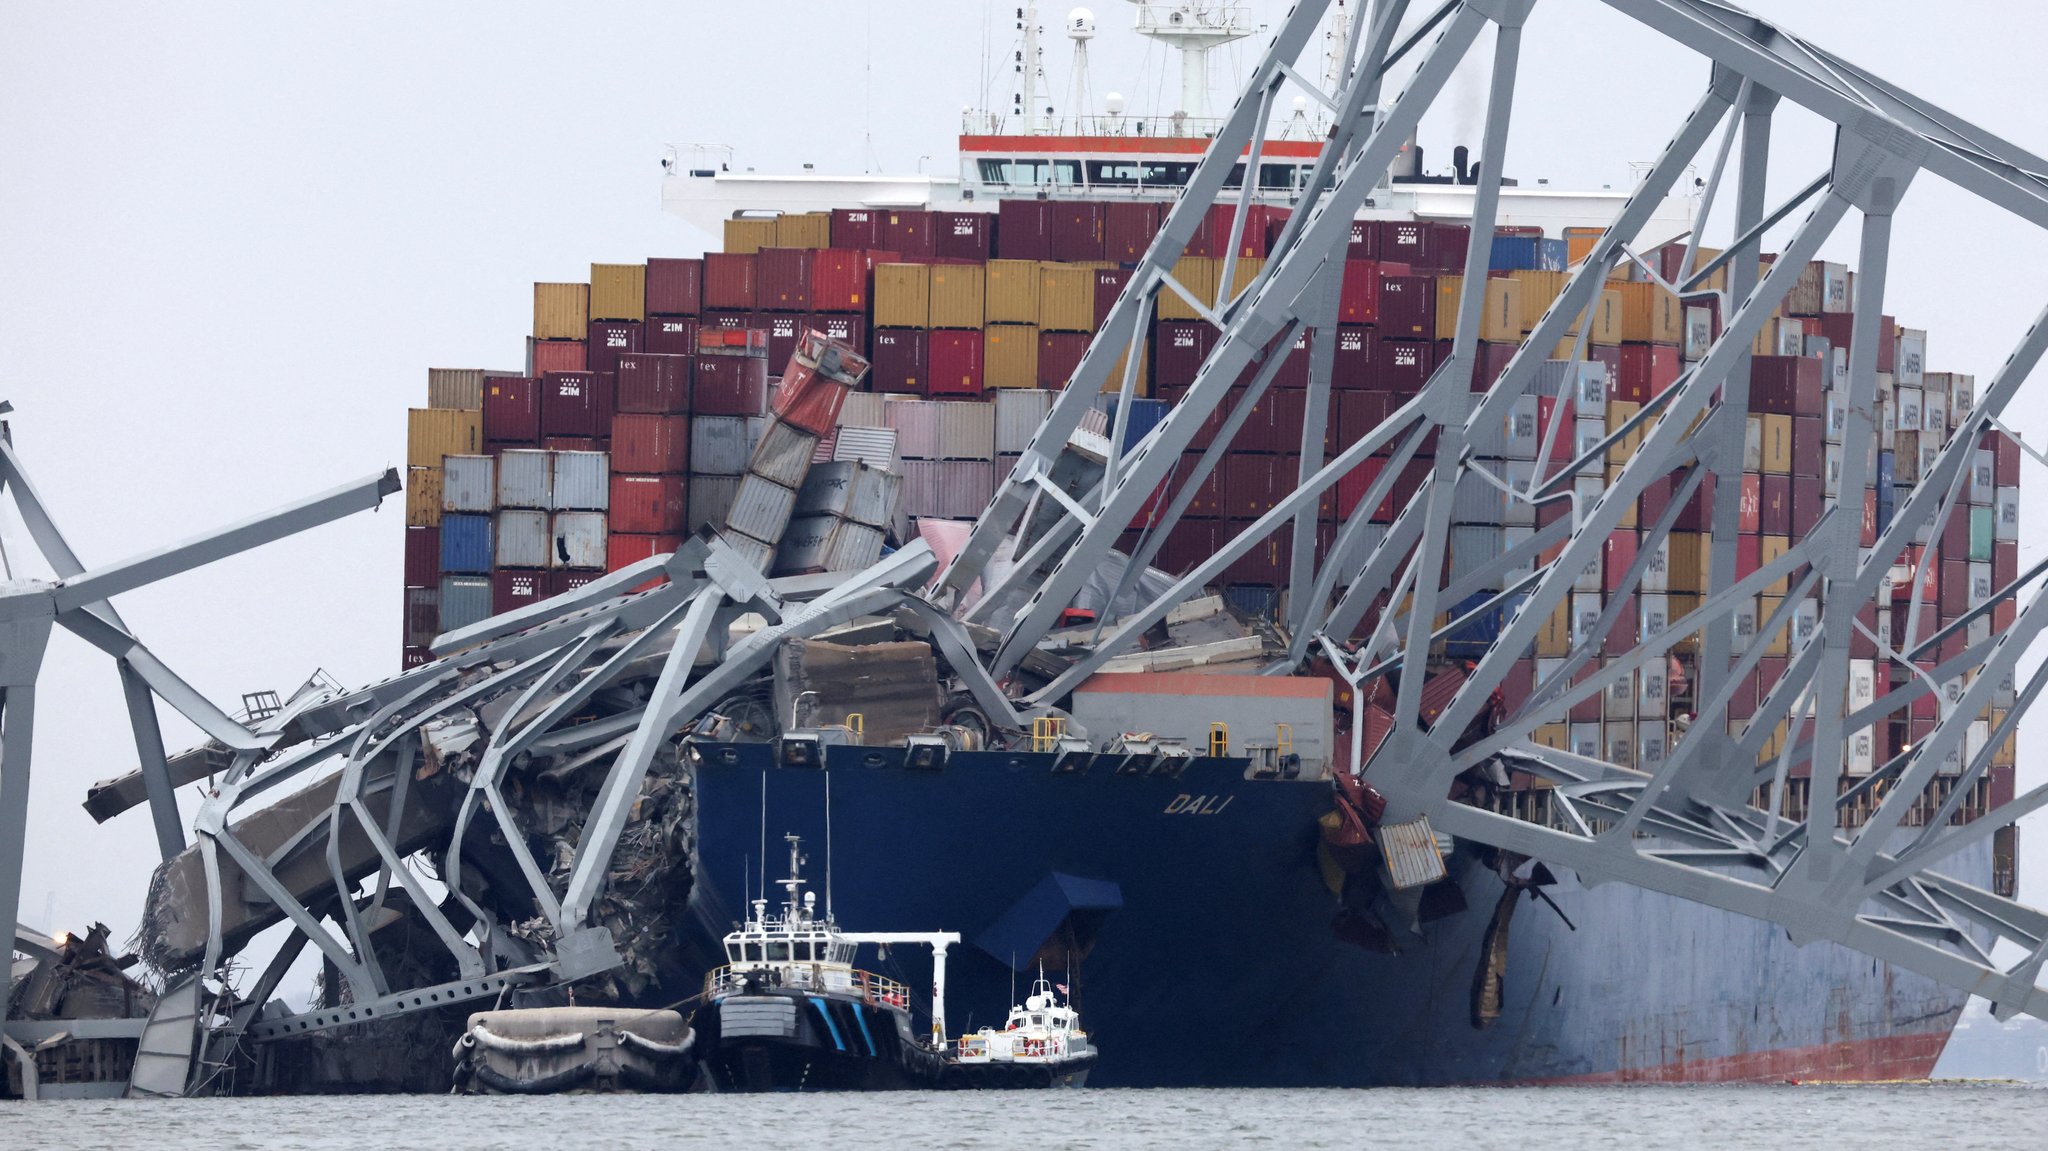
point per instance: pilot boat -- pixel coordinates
(1040, 1045)
(790, 1012)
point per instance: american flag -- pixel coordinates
(1062, 988)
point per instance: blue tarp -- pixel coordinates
(1018, 934)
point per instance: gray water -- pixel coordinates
(1519, 1119)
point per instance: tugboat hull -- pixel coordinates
(1012, 1076)
(796, 1041)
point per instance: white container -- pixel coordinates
(1654, 614)
(874, 446)
(1980, 584)
(1657, 572)
(526, 478)
(1521, 432)
(469, 484)
(1517, 511)
(523, 540)
(1699, 333)
(1753, 444)
(1983, 486)
(1652, 737)
(1584, 740)
(1860, 753)
(1475, 501)
(921, 484)
(1910, 362)
(1587, 433)
(862, 409)
(965, 488)
(1805, 623)
(709, 498)
(1909, 400)
(1585, 615)
(760, 509)
(2005, 520)
(850, 490)
(917, 428)
(1962, 395)
(1621, 742)
(1653, 689)
(1741, 624)
(1019, 412)
(719, 445)
(583, 481)
(827, 544)
(967, 431)
(784, 454)
(751, 551)
(1934, 413)
(1831, 471)
(579, 540)
(1837, 421)
(1618, 698)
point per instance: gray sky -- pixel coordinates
(234, 236)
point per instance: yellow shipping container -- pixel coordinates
(1686, 567)
(1066, 298)
(423, 497)
(956, 295)
(1539, 291)
(1650, 314)
(1607, 325)
(1448, 289)
(1779, 641)
(1142, 387)
(431, 433)
(1771, 548)
(1620, 412)
(618, 291)
(1009, 356)
(1010, 292)
(802, 230)
(1198, 274)
(746, 236)
(1554, 639)
(1552, 735)
(903, 296)
(561, 311)
(1777, 444)
(1628, 514)
(1501, 322)
(1678, 605)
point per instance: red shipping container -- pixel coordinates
(562, 580)
(1076, 230)
(1785, 385)
(648, 505)
(650, 445)
(1109, 285)
(1955, 534)
(423, 557)
(911, 231)
(839, 280)
(670, 336)
(1642, 371)
(855, 228)
(1365, 240)
(849, 330)
(1203, 434)
(1402, 366)
(1615, 557)
(1351, 367)
(1955, 587)
(726, 321)
(674, 287)
(1651, 504)
(573, 404)
(1839, 326)
(1407, 307)
(1024, 229)
(1492, 363)
(782, 330)
(898, 363)
(782, 279)
(1247, 485)
(1698, 513)
(576, 443)
(1622, 636)
(730, 281)
(1405, 241)
(624, 549)
(1293, 371)
(1358, 298)
(1059, 353)
(609, 339)
(1447, 244)
(1128, 229)
(655, 385)
(1774, 505)
(1807, 503)
(544, 356)
(2005, 459)
(1275, 426)
(965, 235)
(1749, 555)
(511, 410)
(727, 386)
(954, 360)
(412, 657)
(1179, 347)
(512, 589)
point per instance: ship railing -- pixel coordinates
(1167, 127)
(877, 990)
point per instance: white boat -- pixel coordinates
(1040, 1045)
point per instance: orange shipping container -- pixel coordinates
(1578, 243)
(431, 433)
(1650, 314)
(1066, 298)
(618, 291)
(1010, 292)
(561, 311)
(1539, 291)
(1009, 355)
(1499, 322)
(903, 296)
(956, 295)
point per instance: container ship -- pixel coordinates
(1215, 889)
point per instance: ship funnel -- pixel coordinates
(1460, 156)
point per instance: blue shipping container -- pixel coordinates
(1884, 472)
(1254, 600)
(1528, 253)
(1145, 415)
(466, 544)
(1471, 640)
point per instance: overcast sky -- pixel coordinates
(233, 237)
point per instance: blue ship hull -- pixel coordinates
(1221, 967)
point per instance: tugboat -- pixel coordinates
(1041, 1045)
(790, 1012)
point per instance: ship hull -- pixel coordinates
(788, 1041)
(1225, 912)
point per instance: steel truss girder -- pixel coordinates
(1682, 825)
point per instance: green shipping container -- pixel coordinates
(1982, 523)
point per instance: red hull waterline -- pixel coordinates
(1888, 1058)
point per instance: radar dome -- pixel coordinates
(1080, 24)
(1301, 103)
(1114, 102)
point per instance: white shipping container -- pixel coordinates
(1512, 538)
(1618, 698)
(1585, 615)
(1621, 743)
(1835, 288)
(719, 445)
(1657, 572)
(1909, 399)
(1791, 338)
(1838, 369)
(1910, 360)
(469, 484)
(862, 409)
(709, 498)
(1521, 434)
(1805, 623)
(759, 555)
(1587, 432)
(1652, 735)
(1934, 413)
(1588, 381)
(1837, 406)
(2006, 517)
(526, 479)
(1653, 689)
(523, 540)
(1518, 512)
(1742, 625)
(579, 540)
(1584, 739)
(851, 490)
(583, 481)
(874, 446)
(1019, 412)
(967, 431)
(1699, 333)
(920, 488)
(1976, 738)
(917, 428)
(1860, 755)
(464, 600)
(1475, 501)
(1980, 584)
(1753, 444)
(784, 454)
(760, 509)
(1983, 489)
(1831, 471)
(1655, 614)
(826, 543)
(1962, 395)
(1472, 546)
(1977, 630)
(966, 487)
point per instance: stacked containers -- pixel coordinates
(451, 426)
(807, 404)
(728, 403)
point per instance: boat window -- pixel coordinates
(1067, 172)
(1276, 176)
(1038, 1021)
(803, 952)
(778, 950)
(1018, 173)
(754, 952)
(1236, 177)
(1161, 173)
(1115, 173)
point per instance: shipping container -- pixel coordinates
(784, 454)
(1010, 291)
(955, 296)
(579, 540)
(521, 539)
(1024, 229)
(850, 490)
(669, 335)
(911, 231)
(650, 444)
(730, 386)
(469, 484)
(710, 498)
(608, 340)
(720, 445)
(652, 384)
(618, 291)
(423, 497)
(575, 404)
(782, 279)
(955, 364)
(730, 282)
(431, 433)
(1127, 229)
(899, 363)
(512, 589)
(560, 311)
(1066, 298)
(1018, 414)
(465, 600)
(748, 235)
(839, 280)
(647, 505)
(466, 546)
(511, 412)
(544, 356)
(903, 296)
(761, 508)
(853, 228)
(582, 481)
(423, 557)
(1009, 355)
(964, 235)
(1059, 354)
(965, 487)
(674, 287)
(459, 388)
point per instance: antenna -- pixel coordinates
(764, 833)
(828, 846)
(1193, 27)
(1080, 101)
